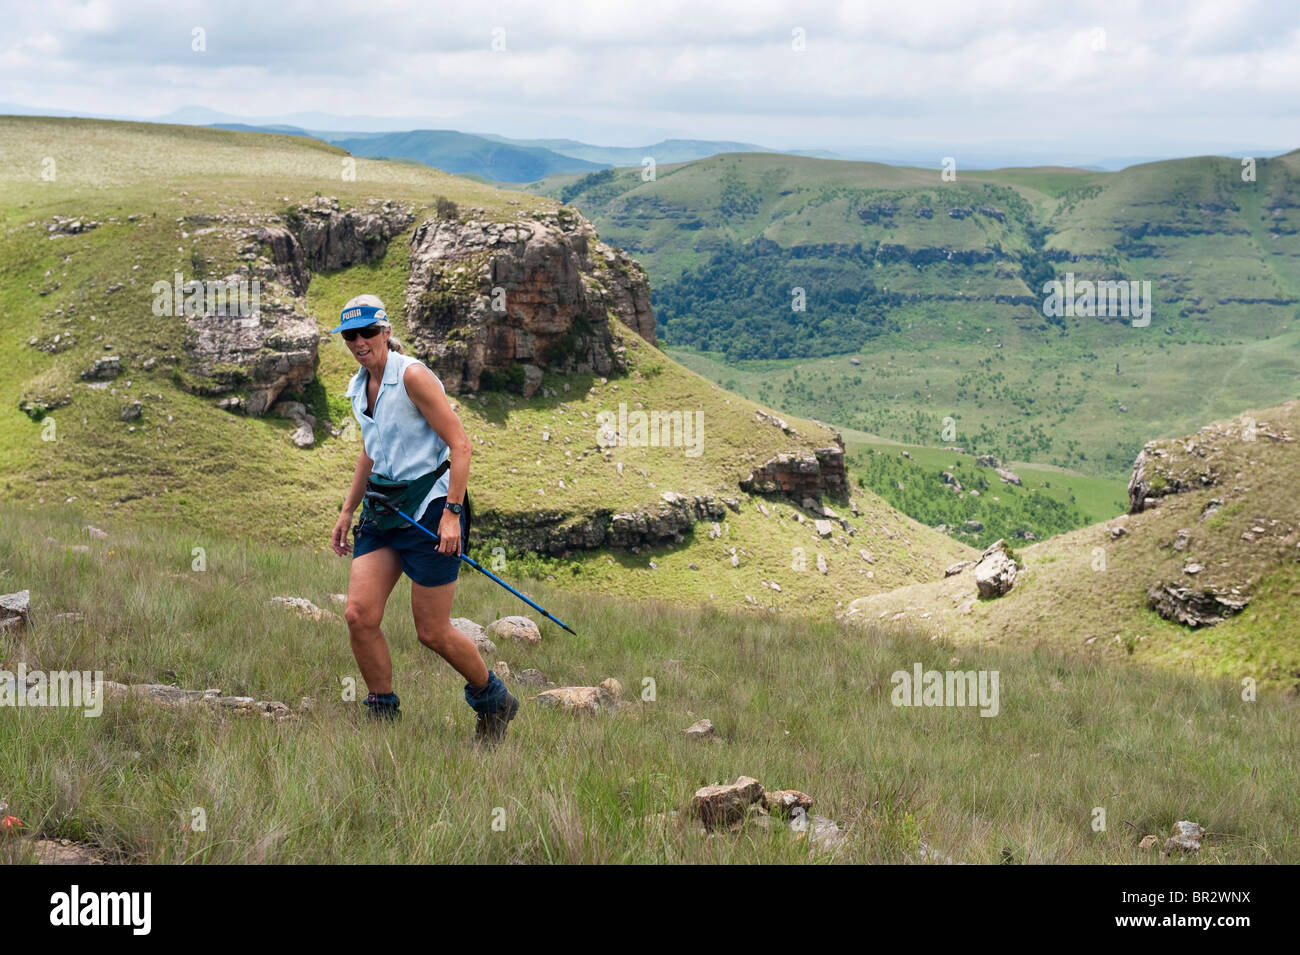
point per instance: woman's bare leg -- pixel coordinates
(432, 609)
(372, 579)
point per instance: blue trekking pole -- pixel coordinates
(381, 500)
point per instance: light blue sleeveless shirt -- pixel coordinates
(398, 438)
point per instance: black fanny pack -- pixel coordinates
(384, 498)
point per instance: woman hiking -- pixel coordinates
(415, 452)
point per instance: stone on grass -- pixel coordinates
(720, 806)
(477, 634)
(995, 574)
(701, 729)
(519, 629)
(783, 802)
(16, 604)
(304, 607)
(584, 699)
(1185, 837)
(532, 677)
(1149, 842)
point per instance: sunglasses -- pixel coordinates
(370, 331)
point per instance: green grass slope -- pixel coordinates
(799, 704)
(186, 460)
(1086, 591)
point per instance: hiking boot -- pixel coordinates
(384, 706)
(491, 726)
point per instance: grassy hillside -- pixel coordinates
(937, 287)
(799, 704)
(1048, 501)
(1086, 591)
(185, 459)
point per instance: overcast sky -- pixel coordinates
(1067, 79)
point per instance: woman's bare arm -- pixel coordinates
(433, 404)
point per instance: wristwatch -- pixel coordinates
(454, 508)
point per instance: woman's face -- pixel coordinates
(369, 351)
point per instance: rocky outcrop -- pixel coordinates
(274, 355)
(320, 236)
(273, 351)
(495, 304)
(1174, 466)
(799, 476)
(1194, 608)
(558, 532)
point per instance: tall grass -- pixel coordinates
(800, 704)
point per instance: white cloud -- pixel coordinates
(1211, 72)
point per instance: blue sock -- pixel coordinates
(488, 697)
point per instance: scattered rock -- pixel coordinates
(519, 629)
(783, 802)
(103, 369)
(532, 677)
(701, 729)
(955, 569)
(477, 634)
(823, 528)
(16, 604)
(304, 608)
(502, 669)
(1008, 477)
(1186, 837)
(131, 411)
(94, 532)
(173, 696)
(584, 699)
(720, 806)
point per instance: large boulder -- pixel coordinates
(995, 574)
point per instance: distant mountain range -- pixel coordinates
(502, 159)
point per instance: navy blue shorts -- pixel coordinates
(417, 551)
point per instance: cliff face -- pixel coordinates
(493, 305)
(489, 304)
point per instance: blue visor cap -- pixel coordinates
(359, 316)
